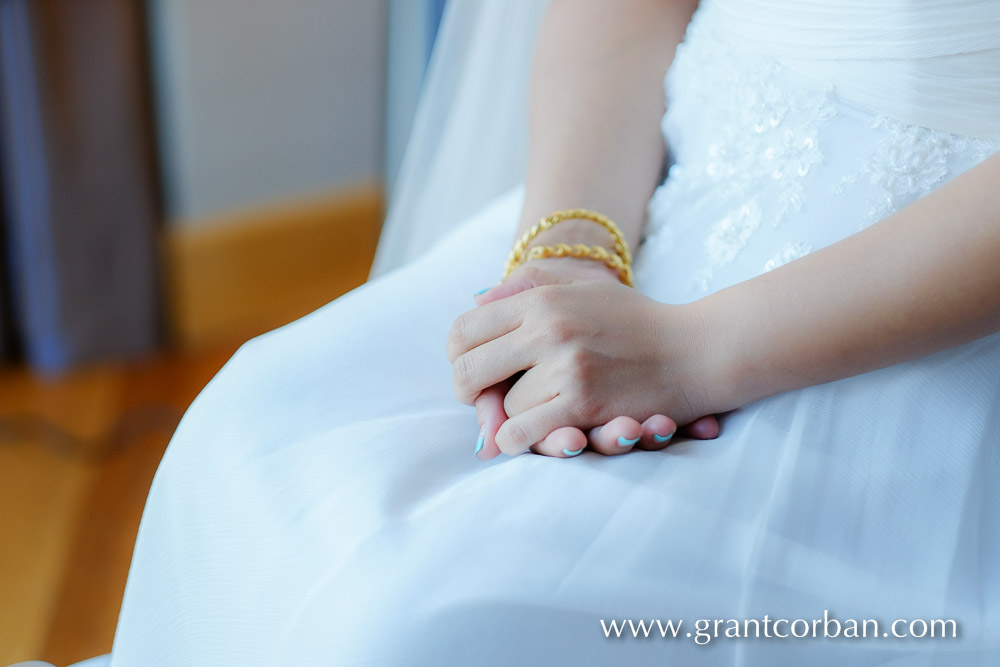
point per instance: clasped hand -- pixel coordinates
(555, 363)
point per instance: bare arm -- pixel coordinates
(924, 279)
(595, 108)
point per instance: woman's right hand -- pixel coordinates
(620, 435)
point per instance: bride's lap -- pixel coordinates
(326, 479)
(363, 379)
(322, 496)
(380, 349)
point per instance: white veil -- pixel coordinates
(468, 144)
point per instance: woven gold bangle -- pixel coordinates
(520, 253)
(595, 252)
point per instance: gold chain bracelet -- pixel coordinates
(581, 251)
(620, 260)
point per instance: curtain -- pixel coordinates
(6, 335)
(78, 275)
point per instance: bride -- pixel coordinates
(818, 271)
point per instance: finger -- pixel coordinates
(563, 442)
(502, 291)
(499, 317)
(490, 414)
(485, 323)
(657, 432)
(519, 433)
(482, 324)
(488, 364)
(524, 279)
(618, 436)
(528, 390)
(703, 428)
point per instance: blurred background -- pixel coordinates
(176, 176)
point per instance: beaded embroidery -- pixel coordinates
(765, 142)
(908, 163)
(791, 251)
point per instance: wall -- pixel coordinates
(261, 100)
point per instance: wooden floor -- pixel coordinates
(78, 452)
(77, 455)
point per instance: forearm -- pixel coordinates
(924, 279)
(595, 107)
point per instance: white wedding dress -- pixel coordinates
(320, 502)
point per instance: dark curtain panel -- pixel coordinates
(5, 351)
(7, 337)
(8, 349)
(78, 180)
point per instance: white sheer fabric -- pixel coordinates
(320, 502)
(469, 138)
(927, 64)
(933, 64)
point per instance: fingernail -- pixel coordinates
(482, 291)
(662, 438)
(625, 442)
(481, 440)
(568, 452)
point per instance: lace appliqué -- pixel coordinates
(766, 141)
(748, 161)
(790, 252)
(908, 163)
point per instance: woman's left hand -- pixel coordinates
(590, 351)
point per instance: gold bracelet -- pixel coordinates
(581, 251)
(519, 253)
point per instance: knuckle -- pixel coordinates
(530, 273)
(512, 437)
(535, 335)
(561, 330)
(546, 296)
(463, 375)
(458, 337)
(580, 357)
(580, 366)
(510, 406)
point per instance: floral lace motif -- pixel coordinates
(766, 142)
(791, 251)
(766, 139)
(908, 163)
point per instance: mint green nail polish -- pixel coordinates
(483, 291)
(568, 452)
(481, 441)
(625, 442)
(662, 438)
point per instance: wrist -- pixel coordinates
(577, 233)
(710, 374)
(572, 232)
(575, 267)
(730, 364)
